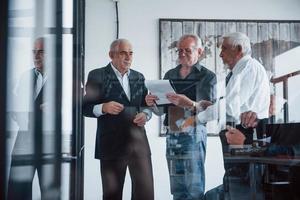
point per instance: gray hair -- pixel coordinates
(116, 43)
(39, 39)
(197, 40)
(239, 39)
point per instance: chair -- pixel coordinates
(276, 182)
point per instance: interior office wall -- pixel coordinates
(138, 21)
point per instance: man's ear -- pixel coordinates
(111, 54)
(239, 50)
(200, 51)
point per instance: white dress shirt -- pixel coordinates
(247, 90)
(124, 81)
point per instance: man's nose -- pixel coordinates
(37, 56)
(182, 54)
(128, 55)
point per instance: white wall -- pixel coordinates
(139, 23)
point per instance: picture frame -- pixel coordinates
(269, 38)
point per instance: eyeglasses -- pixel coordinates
(186, 50)
(37, 51)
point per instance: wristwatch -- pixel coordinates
(148, 116)
(194, 106)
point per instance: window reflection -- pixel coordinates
(32, 84)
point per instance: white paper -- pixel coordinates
(160, 88)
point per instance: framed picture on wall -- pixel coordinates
(269, 39)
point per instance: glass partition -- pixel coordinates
(43, 118)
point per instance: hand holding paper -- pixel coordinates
(159, 89)
(180, 100)
(151, 99)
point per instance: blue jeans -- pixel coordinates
(185, 157)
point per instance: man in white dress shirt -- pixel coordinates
(247, 84)
(28, 114)
(248, 88)
(247, 102)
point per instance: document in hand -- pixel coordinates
(160, 88)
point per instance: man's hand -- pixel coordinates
(180, 100)
(112, 107)
(249, 119)
(150, 99)
(140, 119)
(234, 136)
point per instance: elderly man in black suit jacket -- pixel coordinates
(115, 95)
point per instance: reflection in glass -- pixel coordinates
(33, 163)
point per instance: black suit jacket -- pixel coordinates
(117, 135)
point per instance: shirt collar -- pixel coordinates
(37, 73)
(241, 64)
(117, 71)
(195, 67)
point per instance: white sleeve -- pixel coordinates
(97, 110)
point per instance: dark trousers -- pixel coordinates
(113, 175)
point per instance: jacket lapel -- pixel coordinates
(132, 83)
(136, 88)
(114, 83)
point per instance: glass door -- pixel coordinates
(43, 146)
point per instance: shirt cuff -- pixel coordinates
(148, 114)
(97, 110)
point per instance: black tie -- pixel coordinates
(228, 77)
(35, 77)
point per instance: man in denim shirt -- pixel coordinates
(186, 137)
